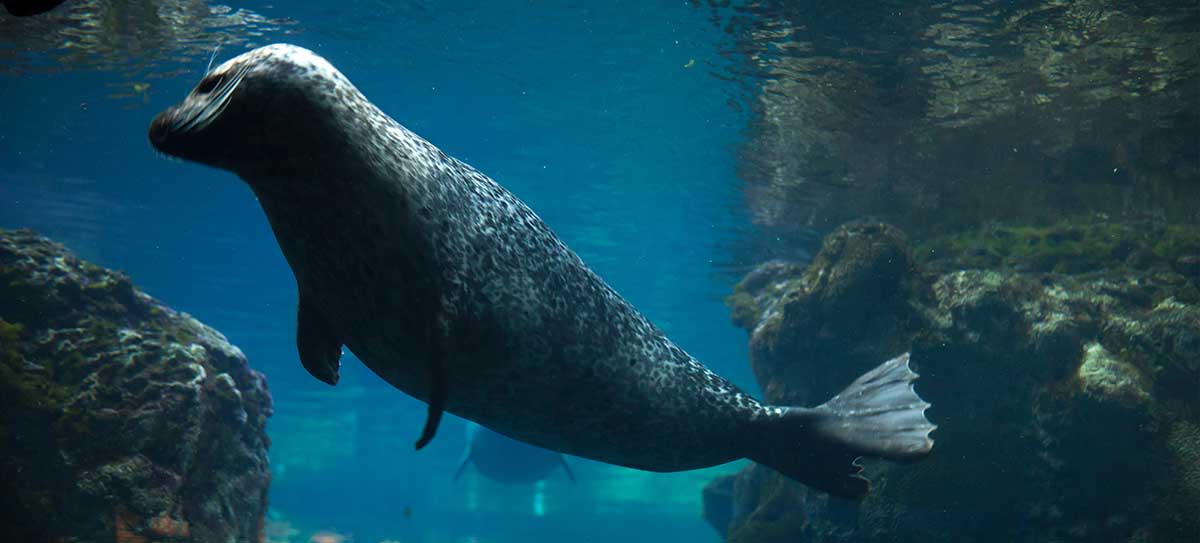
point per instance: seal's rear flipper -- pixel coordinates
(879, 415)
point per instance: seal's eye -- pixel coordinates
(208, 84)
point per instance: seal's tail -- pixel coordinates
(879, 415)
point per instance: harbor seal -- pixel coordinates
(452, 290)
(507, 460)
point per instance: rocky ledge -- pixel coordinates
(120, 419)
(1063, 365)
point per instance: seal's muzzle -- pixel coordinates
(160, 127)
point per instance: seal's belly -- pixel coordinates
(578, 387)
(535, 345)
(602, 390)
(586, 409)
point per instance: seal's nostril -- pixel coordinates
(158, 129)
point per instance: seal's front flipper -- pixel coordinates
(320, 350)
(567, 467)
(879, 415)
(437, 399)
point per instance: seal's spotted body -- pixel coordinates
(451, 289)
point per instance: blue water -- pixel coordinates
(607, 118)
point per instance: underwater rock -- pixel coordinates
(1073, 246)
(766, 507)
(120, 419)
(1072, 398)
(857, 285)
(1106, 378)
(1183, 440)
(718, 502)
(1189, 266)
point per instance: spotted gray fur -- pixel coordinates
(405, 253)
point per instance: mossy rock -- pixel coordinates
(1066, 248)
(1069, 391)
(764, 502)
(120, 418)
(755, 294)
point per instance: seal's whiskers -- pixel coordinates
(166, 156)
(214, 106)
(208, 68)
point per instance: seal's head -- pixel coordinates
(268, 111)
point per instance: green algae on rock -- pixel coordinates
(120, 418)
(1070, 247)
(1070, 397)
